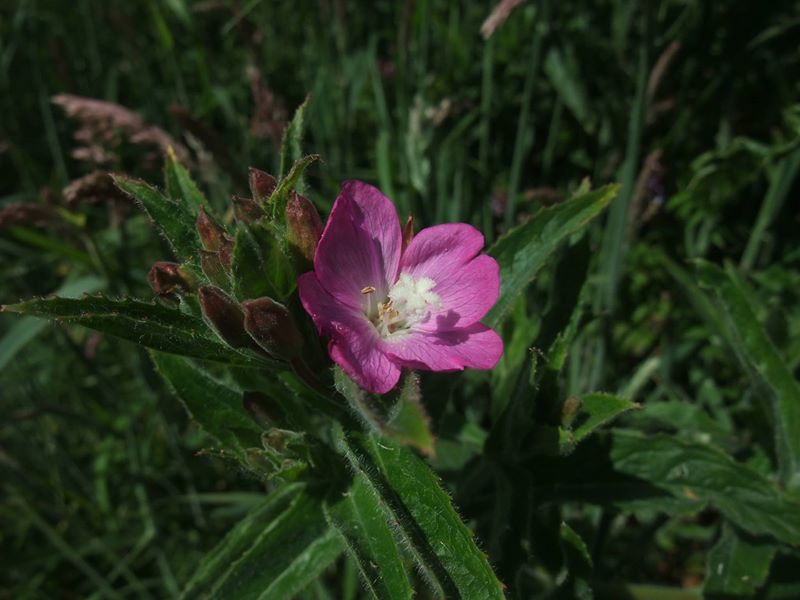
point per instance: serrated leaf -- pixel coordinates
(27, 328)
(737, 565)
(151, 325)
(280, 196)
(443, 547)
(291, 148)
(753, 347)
(216, 408)
(273, 555)
(595, 411)
(181, 188)
(176, 222)
(525, 249)
(703, 473)
(360, 520)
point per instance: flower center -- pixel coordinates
(408, 303)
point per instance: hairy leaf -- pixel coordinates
(181, 188)
(175, 221)
(216, 408)
(272, 555)
(151, 325)
(360, 520)
(441, 544)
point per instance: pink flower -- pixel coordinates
(385, 307)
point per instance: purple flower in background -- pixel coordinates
(385, 306)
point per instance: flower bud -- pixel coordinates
(224, 316)
(167, 277)
(303, 225)
(246, 210)
(569, 410)
(264, 411)
(261, 185)
(271, 325)
(226, 254)
(212, 236)
(212, 267)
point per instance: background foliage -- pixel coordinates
(681, 297)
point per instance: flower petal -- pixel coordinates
(361, 358)
(466, 294)
(360, 246)
(436, 251)
(476, 346)
(355, 345)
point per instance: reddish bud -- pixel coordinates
(261, 185)
(224, 316)
(271, 325)
(168, 277)
(212, 267)
(303, 225)
(408, 232)
(212, 236)
(246, 210)
(569, 410)
(226, 253)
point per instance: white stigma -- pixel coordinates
(409, 302)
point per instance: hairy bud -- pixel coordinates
(271, 325)
(168, 277)
(246, 210)
(262, 185)
(303, 225)
(224, 316)
(212, 236)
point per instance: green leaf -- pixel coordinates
(409, 423)
(405, 421)
(27, 328)
(260, 267)
(273, 554)
(703, 473)
(151, 325)
(578, 562)
(525, 249)
(595, 410)
(248, 266)
(737, 565)
(754, 348)
(216, 407)
(360, 520)
(291, 148)
(443, 547)
(181, 188)
(175, 221)
(280, 196)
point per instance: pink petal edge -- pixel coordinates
(476, 347)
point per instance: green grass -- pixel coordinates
(108, 490)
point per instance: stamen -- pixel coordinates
(367, 290)
(409, 302)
